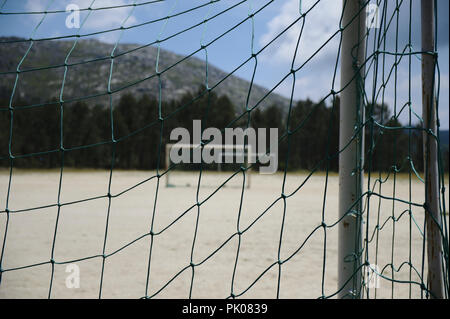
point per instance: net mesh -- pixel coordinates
(383, 62)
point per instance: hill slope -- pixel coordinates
(130, 71)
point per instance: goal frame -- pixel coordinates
(223, 147)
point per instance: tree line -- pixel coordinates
(135, 131)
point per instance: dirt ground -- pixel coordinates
(83, 217)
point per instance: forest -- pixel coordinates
(133, 132)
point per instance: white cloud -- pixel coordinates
(320, 24)
(35, 6)
(314, 80)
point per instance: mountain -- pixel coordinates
(130, 71)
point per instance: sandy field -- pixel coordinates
(133, 215)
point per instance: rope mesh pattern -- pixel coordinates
(378, 71)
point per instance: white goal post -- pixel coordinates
(227, 151)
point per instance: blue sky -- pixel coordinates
(314, 80)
